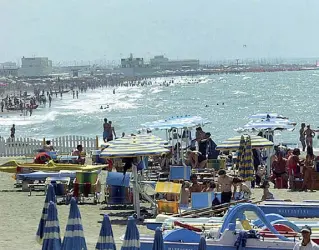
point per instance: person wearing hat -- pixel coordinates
(306, 243)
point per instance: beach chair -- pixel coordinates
(61, 186)
(117, 189)
(179, 173)
(216, 164)
(87, 184)
(168, 206)
(203, 199)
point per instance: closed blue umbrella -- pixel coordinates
(74, 236)
(202, 243)
(106, 239)
(50, 196)
(51, 236)
(132, 236)
(158, 240)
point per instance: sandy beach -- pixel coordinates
(20, 215)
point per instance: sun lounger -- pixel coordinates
(180, 173)
(117, 189)
(86, 185)
(172, 189)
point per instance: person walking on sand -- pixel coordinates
(302, 138)
(111, 132)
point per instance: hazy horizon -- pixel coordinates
(205, 30)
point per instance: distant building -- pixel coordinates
(8, 69)
(132, 62)
(35, 66)
(162, 62)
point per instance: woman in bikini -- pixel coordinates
(309, 133)
(308, 172)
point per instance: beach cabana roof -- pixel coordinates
(178, 122)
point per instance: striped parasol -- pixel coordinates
(202, 243)
(241, 151)
(51, 236)
(246, 170)
(158, 243)
(132, 149)
(132, 236)
(234, 143)
(106, 239)
(50, 196)
(74, 236)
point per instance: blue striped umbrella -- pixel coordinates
(158, 240)
(74, 236)
(106, 239)
(132, 236)
(202, 243)
(50, 196)
(51, 236)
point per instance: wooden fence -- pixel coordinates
(28, 147)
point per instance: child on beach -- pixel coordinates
(185, 194)
(243, 188)
(267, 195)
(209, 186)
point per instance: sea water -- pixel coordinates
(227, 100)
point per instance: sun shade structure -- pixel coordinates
(106, 238)
(50, 196)
(178, 122)
(51, 236)
(132, 236)
(246, 168)
(74, 236)
(234, 143)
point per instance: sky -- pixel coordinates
(75, 30)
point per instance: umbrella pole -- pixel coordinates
(136, 192)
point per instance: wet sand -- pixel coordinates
(20, 215)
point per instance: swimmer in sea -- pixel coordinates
(101, 107)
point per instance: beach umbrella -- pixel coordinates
(132, 149)
(50, 196)
(246, 169)
(132, 236)
(202, 243)
(106, 239)
(177, 122)
(51, 236)
(241, 151)
(74, 236)
(139, 139)
(234, 143)
(158, 243)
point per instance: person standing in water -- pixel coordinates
(13, 131)
(106, 129)
(309, 133)
(302, 138)
(111, 132)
